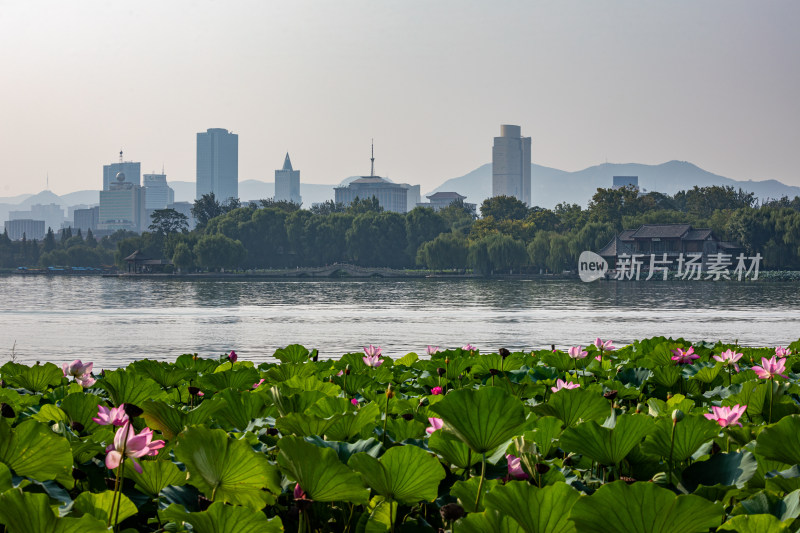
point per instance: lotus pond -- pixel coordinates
(660, 435)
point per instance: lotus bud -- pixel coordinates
(7, 411)
(677, 416)
(504, 352)
(408, 416)
(76, 426)
(451, 512)
(2, 384)
(610, 395)
(447, 360)
(660, 479)
(389, 392)
(493, 371)
(194, 391)
(669, 396)
(552, 347)
(347, 370)
(627, 479)
(641, 408)
(441, 371)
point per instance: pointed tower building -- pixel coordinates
(287, 183)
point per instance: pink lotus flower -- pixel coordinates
(257, 385)
(85, 381)
(771, 367)
(372, 360)
(436, 424)
(604, 346)
(133, 445)
(372, 351)
(299, 493)
(432, 349)
(115, 416)
(576, 353)
(515, 467)
(436, 391)
(727, 416)
(780, 351)
(729, 358)
(76, 369)
(232, 356)
(561, 384)
(684, 357)
(354, 401)
(469, 348)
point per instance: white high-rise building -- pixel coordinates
(123, 207)
(132, 171)
(159, 194)
(218, 164)
(511, 164)
(287, 183)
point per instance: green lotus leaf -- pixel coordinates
(406, 474)
(313, 383)
(490, 521)
(467, 493)
(661, 408)
(643, 508)
(573, 405)
(319, 472)
(238, 378)
(294, 353)
(31, 449)
(379, 516)
(704, 372)
(764, 502)
(754, 395)
(666, 376)
(773, 441)
(170, 420)
(294, 403)
(352, 424)
(757, 523)
(128, 387)
(38, 377)
(452, 450)
(328, 406)
(304, 425)
(190, 361)
(690, 433)
(635, 376)
(407, 360)
(536, 510)
(226, 469)
(544, 434)
(345, 450)
(49, 413)
(25, 512)
(280, 373)
(783, 480)
(165, 374)
(98, 505)
(730, 469)
(155, 476)
(400, 429)
(221, 518)
(483, 419)
(607, 446)
(560, 361)
(239, 408)
(81, 408)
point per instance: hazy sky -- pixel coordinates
(711, 82)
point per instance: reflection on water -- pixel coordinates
(113, 321)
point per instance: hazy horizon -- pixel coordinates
(713, 83)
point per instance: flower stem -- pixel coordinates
(771, 397)
(671, 448)
(385, 420)
(480, 483)
(119, 498)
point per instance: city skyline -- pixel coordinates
(711, 83)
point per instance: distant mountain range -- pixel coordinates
(549, 186)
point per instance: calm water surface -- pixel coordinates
(114, 321)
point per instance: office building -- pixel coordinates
(625, 181)
(25, 227)
(86, 219)
(511, 164)
(52, 214)
(218, 164)
(123, 207)
(159, 194)
(439, 200)
(287, 183)
(130, 169)
(413, 195)
(184, 208)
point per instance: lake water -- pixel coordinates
(113, 321)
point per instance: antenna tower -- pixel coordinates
(372, 158)
(120, 155)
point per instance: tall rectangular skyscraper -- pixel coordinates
(287, 183)
(218, 164)
(511, 164)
